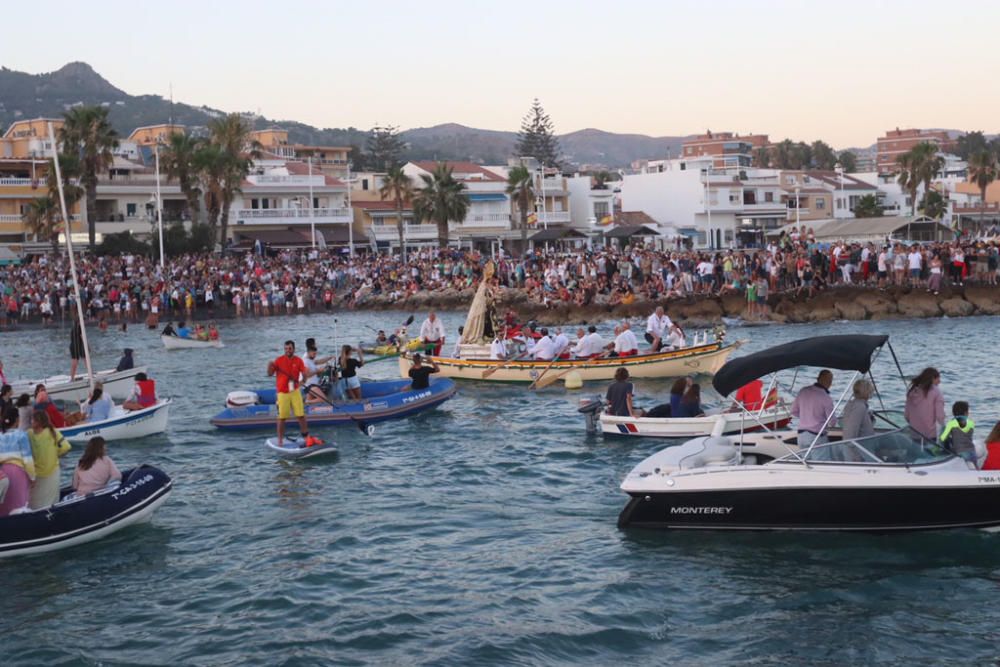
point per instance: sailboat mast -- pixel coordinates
(72, 261)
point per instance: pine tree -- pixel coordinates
(536, 138)
(385, 147)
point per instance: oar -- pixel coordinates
(503, 364)
(367, 429)
(546, 370)
(542, 384)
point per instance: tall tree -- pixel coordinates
(970, 143)
(520, 187)
(919, 165)
(396, 185)
(44, 220)
(537, 138)
(441, 199)
(231, 134)
(180, 161)
(210, 164)
(933, 205)
(88, 133)
(907, 179)
(823, 157)
(762, 157)
(385, 147)
(982, 172)
(848, 161)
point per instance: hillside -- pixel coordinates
(24, 95)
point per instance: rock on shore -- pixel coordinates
(838, 303)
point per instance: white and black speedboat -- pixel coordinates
(891, 481)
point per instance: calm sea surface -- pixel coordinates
(480, 533)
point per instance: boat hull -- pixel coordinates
(670, 427)
(123, 426)
(117, 384)
(698, 360)
(178, 343)
(381, 401)
(77, 521)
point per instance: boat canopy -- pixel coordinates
(847, 353)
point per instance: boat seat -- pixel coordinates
(711, 451)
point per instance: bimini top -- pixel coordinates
(846, 353)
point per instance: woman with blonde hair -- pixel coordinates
(47, 445)
(856, 420)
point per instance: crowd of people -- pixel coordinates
(132, 288)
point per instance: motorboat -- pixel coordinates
(894, 480)
(117, 384)
(78, 519)
(123, 424)
(380, 401)
(179, 343)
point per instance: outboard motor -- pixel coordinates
(591, 409)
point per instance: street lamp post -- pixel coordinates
(159, 199)
(840, 172)
(312, 212)
(797, 206)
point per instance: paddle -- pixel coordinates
(542, 384)
(546, 370)
(408, 322)
(367, 429)
(503, 364)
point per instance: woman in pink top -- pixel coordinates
(924, 410)
(95, 469)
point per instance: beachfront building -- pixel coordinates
(592, 206)
(488, 223)
(814, 194)
(376, 219)
(726, 149)
(896, 142)
(329, 160)
(126, 197)
(282, 200)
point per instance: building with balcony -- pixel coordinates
(896, 142)
(489, 216)
(29, 138)
(329, 160)
(726, 149)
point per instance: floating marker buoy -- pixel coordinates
(573, 380)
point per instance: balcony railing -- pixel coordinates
(988, 207)
(317, 180)
(553, 217)
(21, 182)
(487, 220)
(9, 217)
(295, 215)
(411, 232)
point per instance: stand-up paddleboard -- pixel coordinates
(294, 448)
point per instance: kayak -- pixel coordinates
(294, 448)
(388, 350)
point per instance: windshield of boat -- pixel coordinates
(899, 447)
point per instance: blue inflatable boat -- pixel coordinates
(380, 401)
(78, 519)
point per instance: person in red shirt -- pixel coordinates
(290, 372)
(749, 395)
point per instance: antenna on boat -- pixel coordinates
(72, 261)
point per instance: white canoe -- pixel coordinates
(178, 343)
(117, 384)
(293, 448)
(692, 427)
(696, 360)
(123, 424)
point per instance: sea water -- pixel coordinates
(480, 533)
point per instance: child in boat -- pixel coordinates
(95, 468)
(47, 446)
(213, 333)
(957, 433)
(17, 469)
(200, 333)
(143, 395)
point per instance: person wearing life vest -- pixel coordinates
(957, 433)
(143, 394)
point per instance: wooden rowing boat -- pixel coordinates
(696, 360)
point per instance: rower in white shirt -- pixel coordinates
(657, 327)
(560, 342)
(589, 345)
(545, 349)
(675, 338)
(626, 344)
(497, 349)
(432, 333)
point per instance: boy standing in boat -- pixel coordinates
(290, 372)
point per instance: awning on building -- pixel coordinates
(8, 256)
(487, 196)
(282, 238)
(628, 231)
(556, 234)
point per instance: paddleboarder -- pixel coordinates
(290, 372)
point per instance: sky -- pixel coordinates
(842, 71)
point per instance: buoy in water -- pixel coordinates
(573, 380)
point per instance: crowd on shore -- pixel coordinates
(135, 288)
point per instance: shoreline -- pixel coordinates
(835, 303)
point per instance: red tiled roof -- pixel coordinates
(461, 168)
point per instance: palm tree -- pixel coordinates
(907, 179)
(210, 165)
(88, 133)
(180, 161)
(43, 219)
(520, 186)
(982, 172)
(231, 134)
(396, 185)
(440, 200)
(920, 165)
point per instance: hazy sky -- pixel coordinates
(843, 71)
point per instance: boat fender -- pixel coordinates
(241, 399)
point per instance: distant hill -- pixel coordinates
(24, 95)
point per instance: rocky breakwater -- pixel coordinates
(837, 303)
